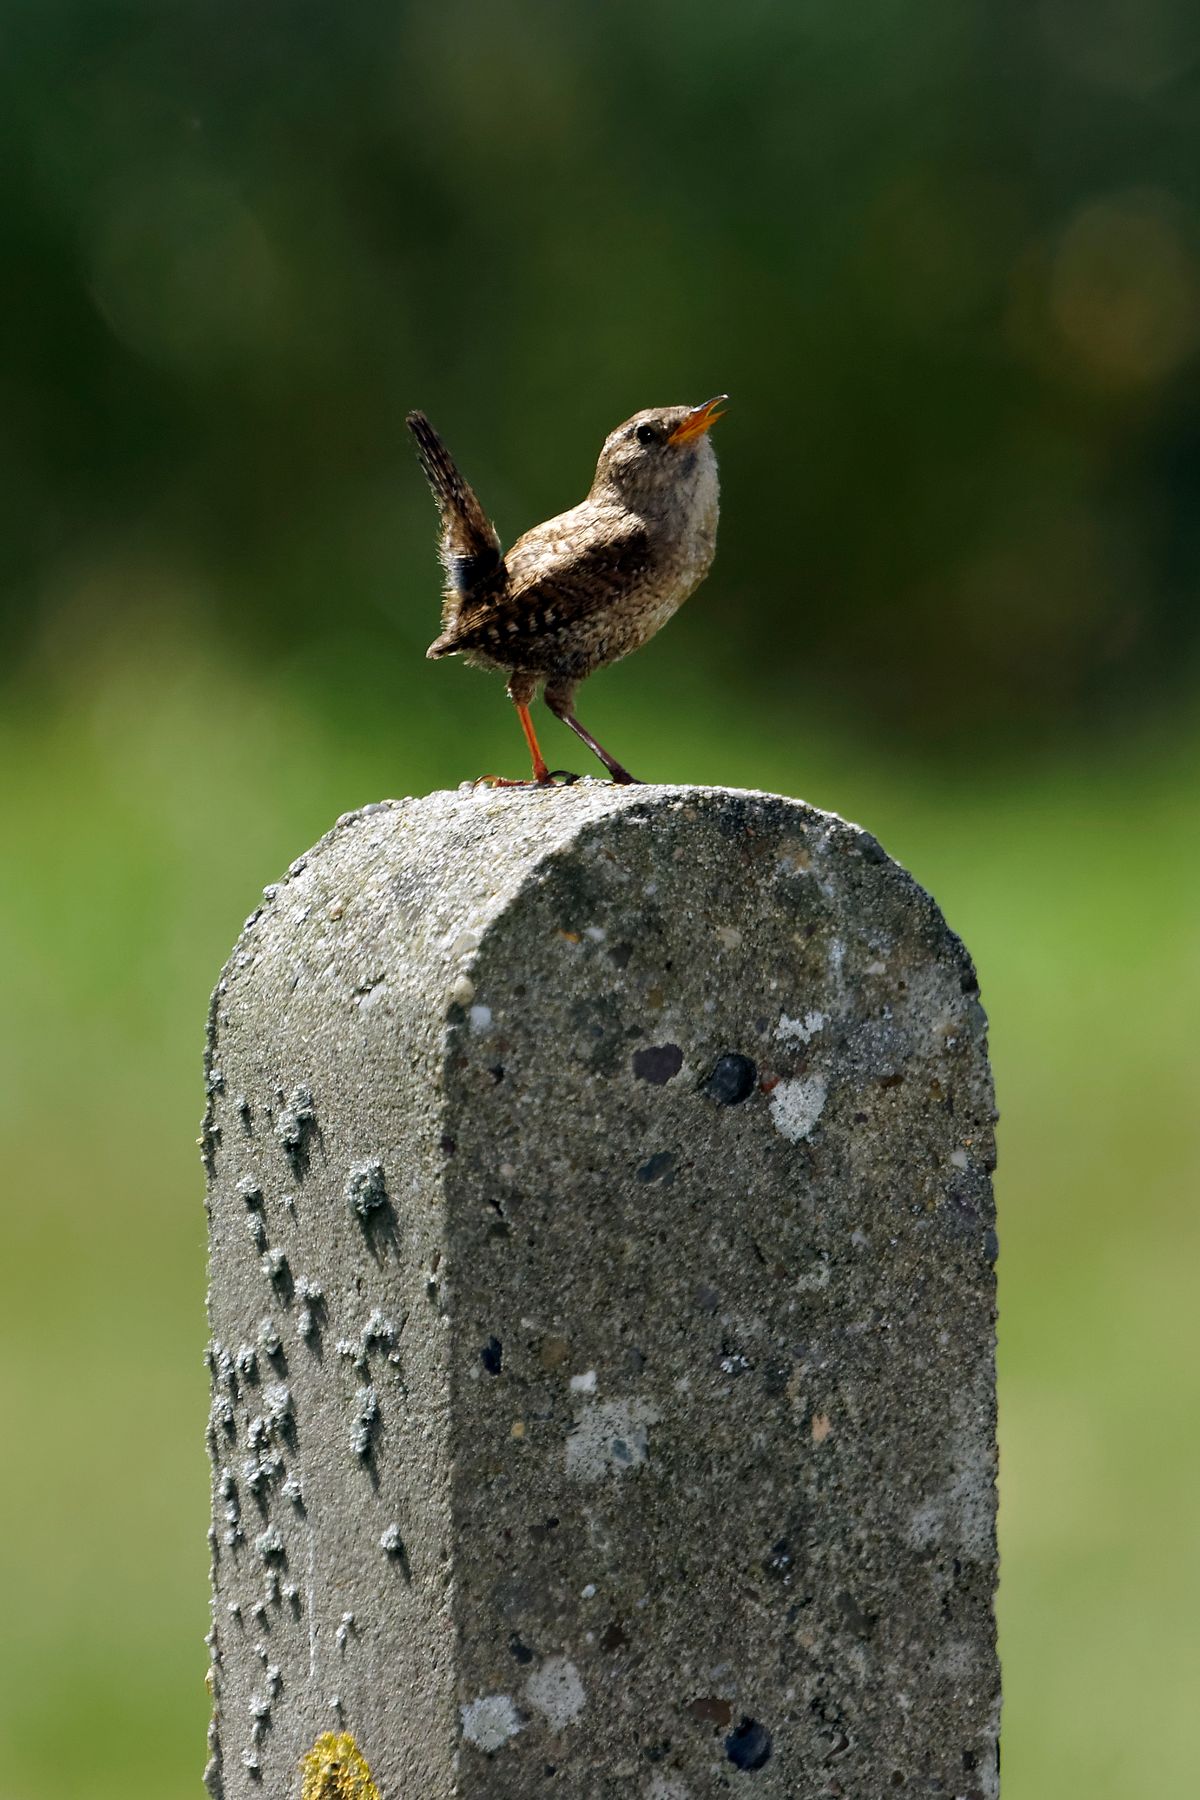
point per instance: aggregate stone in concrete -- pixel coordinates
(602, 1303)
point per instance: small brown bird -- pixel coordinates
(589, 586)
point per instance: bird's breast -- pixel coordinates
(686, 540)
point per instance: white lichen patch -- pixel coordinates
(609, 1437)
(668, 1787)
(959, 1159)
(490, 1721)
(962, 1513)
(556, 1692)
(800, 1030)
(796, 1105)
(816, 1277)
(480, 1019)
(585, 1383)
(955, 1659)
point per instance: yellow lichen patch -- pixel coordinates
(335, 1769)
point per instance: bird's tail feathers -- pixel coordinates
(451, 490)
(469, 548)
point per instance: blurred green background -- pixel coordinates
(946, 260)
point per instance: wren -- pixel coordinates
(588, 586)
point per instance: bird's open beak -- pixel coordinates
(698, 420)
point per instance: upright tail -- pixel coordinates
(469, 547)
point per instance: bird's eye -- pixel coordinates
(646, 434)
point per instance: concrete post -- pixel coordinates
(602, 1312)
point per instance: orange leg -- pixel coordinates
(541, 773)
(542, 776)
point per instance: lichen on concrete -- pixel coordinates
(335, 1769)
(630, 1411)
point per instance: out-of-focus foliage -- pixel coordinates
(946, 260)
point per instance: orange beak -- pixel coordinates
(698, 420)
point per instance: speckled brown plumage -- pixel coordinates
(590, 585)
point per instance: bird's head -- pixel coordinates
(657, 459)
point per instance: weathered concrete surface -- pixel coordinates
(602, 1310)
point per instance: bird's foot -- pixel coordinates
(552, 778)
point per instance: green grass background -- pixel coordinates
(162, 784)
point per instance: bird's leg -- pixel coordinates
(521, 691)
(541, 773)
(560, 698)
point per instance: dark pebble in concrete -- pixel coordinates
(658, 1064)
(748, 1745)
(732, 1081)
(659, 1168)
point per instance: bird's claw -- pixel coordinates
(553, 778)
